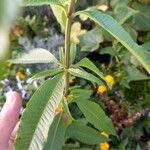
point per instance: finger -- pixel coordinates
(9, 116)
(13, 136)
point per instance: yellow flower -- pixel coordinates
(59, 108)
(101, 89)
(20, 74)
(104, 146)
(105, 134)
(110, 79)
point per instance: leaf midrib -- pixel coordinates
(44, 110)
(90, 112)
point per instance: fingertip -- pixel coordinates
(15, 97)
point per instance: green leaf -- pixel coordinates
(61, 55)
(81, 93)
(57, 8)
(85, 133)
(44, 74)
(3, 69)
(123, 144)
(146, 102)
(60, 14)
(133, 33)
(73, 51)
(90, 41)
(107, 37)
(133, 74)
(108, 50)
(146, 46)
(34, 56)
(85, 75)
(119, 3)
(123, 13)
(66, 109)
(43, 2)
(141, 19)
(85, 62)
(96, 116)
(56, 134)
(39, 114)
(110, 25)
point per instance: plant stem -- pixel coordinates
(67, 44)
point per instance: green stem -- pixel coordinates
(67, 44)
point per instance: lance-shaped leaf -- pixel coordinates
(96, 116)
(116, 30)
(34, 56)
(44, 74)
(60, 14)
(39, 114)
(85, 62)
(73, 52)
(61, 55)
(56, 134)
(66, 109)
(81, 93)
(85, 75)
(43, 2)
(84, 133)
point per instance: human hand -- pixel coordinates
(9, 117)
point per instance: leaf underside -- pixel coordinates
(44, 74)
(42, 2)
(38, 55)
(39, 115)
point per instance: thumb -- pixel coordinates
(13, 136)
(9, 117)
